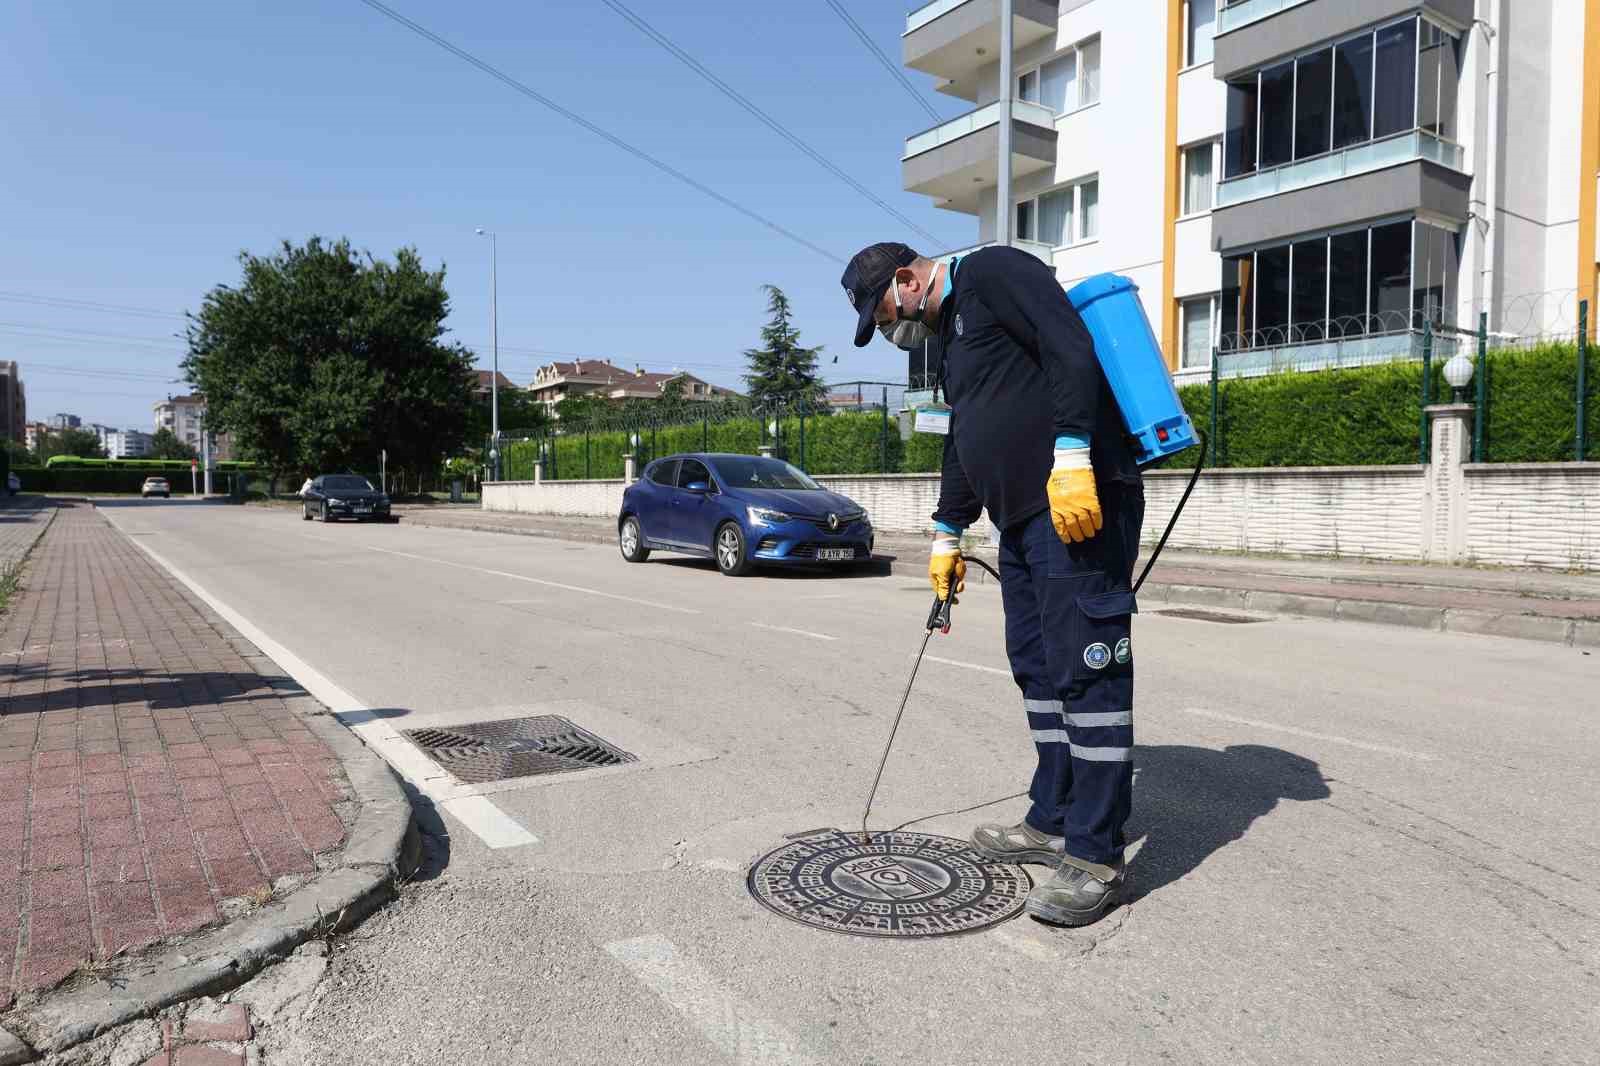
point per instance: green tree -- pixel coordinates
(520, 416)
(19, 454)
(781, 371)
(78, 442)
(164, 444)
(322, 356)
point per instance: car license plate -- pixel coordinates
(836, 555)
(363, 510)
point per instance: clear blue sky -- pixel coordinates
(147, 144)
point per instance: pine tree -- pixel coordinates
(781, 371)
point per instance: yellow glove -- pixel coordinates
(945, 565)
(1074, 503)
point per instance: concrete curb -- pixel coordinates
(382, 847)
(1564, 631)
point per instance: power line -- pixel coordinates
(771, 123)
(888, 65)
(88, 305)
(574, 117)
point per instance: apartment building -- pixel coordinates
(183, 416)
(13, 402)
(1293, 182)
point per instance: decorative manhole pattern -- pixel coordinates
(516, 747)
(1199, 615)
(897, 885)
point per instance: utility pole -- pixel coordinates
(494, 335)
(1008, 88)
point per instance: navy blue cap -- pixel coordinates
(867, 278)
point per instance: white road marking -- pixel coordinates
(489, 823)
(716, 1012)
(1293, 731)
(536, 581)
(969, 666)
(796, 632)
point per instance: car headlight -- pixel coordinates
(765, 516)
(334, 501)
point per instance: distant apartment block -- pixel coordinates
(185, 417)
(1288, 181)
(33, 433)
(13, 403)
(65, 421)
(555, 382)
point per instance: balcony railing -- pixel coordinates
(1279, 351)
(973, 121)
(1344, 163)
(928, 12)
(1245, 12)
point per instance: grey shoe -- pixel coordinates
(1017, 843)
(1079, 893)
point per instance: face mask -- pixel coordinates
(910, 332)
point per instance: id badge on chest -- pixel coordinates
(933, 418)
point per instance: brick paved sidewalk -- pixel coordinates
(22, 518)
(148, 770)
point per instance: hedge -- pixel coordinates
(78, 462)
(1358, 416)
(93, 479)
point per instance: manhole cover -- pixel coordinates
(1199, 615)
(900, 884)
(516, 747)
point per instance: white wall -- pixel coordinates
(573, 498)
(1533, 514)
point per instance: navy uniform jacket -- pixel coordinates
(1019, 371)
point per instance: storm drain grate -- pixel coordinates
(1199, 615)
(516, 747)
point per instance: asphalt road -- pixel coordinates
(1354, 844)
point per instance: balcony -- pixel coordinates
(955, 161)
(1253, 33)
(1281, 353)
(954, 39)
(1347, 162)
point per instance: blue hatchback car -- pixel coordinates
(742, 511)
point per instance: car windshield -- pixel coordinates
(342, 483)
(757, 472)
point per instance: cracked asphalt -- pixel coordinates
(1353, 844)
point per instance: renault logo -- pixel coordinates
(833, 522)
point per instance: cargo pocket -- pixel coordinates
(1102, 643)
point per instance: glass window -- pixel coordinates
(664, 472)
(1055, 217)
(1025, 221)
(1394, 89)
(1028, 87)
(1433, 284)
(753, 472)
(691, 471)
(1089, 89)
(1057, 81)
(1309, 296)
(1347, 288)
(1438, 75)
(1202, 25)
(1313, 104)
(1277, 115)
(1352, 92)
(1197, 179)
(1238, 302)
(1272, 298)
(1089, 208)
(1196, 332)
(1239, 141)
(1389, 287)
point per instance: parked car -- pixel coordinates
(155, 486)
(742, 511)
(334, 496)
(13, 484)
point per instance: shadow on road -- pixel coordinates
(1192, 802)
(877, 566)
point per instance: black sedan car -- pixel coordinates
(334, 496)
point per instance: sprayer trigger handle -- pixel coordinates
(939, 617)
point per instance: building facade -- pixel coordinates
(13, 403)
(65, 421)
(555, 382)
(183, 416)
(1291, 182)
(127, 444)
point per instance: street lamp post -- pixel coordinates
(494, 338)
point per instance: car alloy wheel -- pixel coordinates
(730, 551)
(631, 541)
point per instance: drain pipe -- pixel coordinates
(1488, 275)
(1008, 86)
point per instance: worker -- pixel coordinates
(1036, 439)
